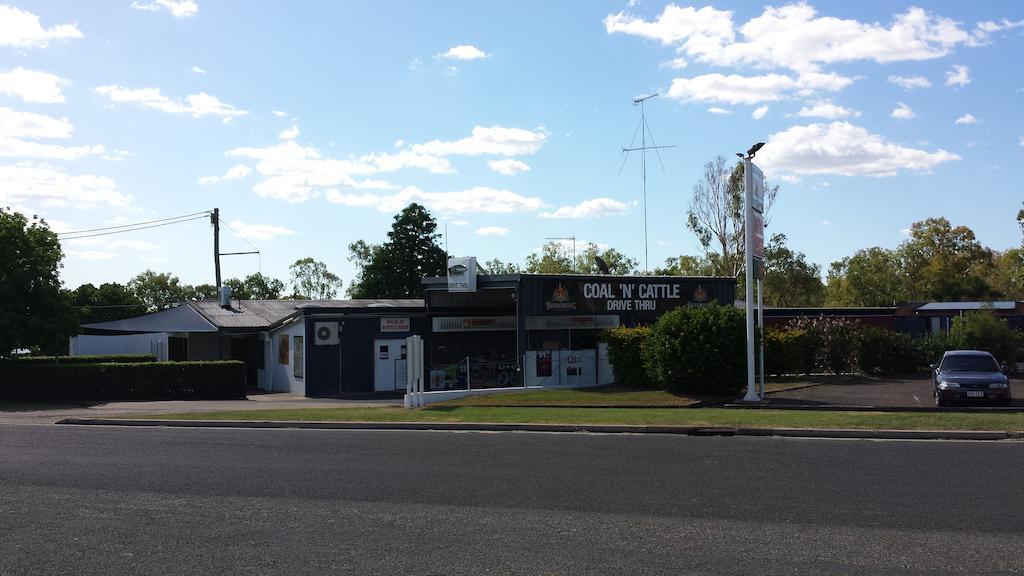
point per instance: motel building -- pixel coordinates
(480, 333)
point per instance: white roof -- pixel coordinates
(967, 306)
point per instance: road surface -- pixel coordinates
(98, 500)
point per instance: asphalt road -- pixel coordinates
(95, 500)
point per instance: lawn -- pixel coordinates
(605, 396)
(717, 417)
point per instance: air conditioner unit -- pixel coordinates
(325, 333)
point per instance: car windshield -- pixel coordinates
(969, 363)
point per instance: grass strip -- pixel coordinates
(826, 420)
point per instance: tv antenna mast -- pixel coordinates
(644, 130)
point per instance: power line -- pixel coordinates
(131, 225)
(259, 256)
(203, 215)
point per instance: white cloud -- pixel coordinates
(32, 85)
(17, 148)
(960, 75)
(674, 64)
(199, 70)
(89, 255)
(966, 119)
(736, 89)
(790, 178)
(258, 231)
(902, 112)
(479, 199)
(759, 113)
(178, 8)
(236, 172)
(1022, 140)
(594, 208)
(464, 52)
(910, 82)
(508, 166)
(842, 149)
(664, 243)
(197, 105)
(21, 29)
(460, 223)
(826, 110)
(18, 124)
(496, 140)
(989, 27)
(279, 113)
(491, 231)
(795, 37)
(289, 133)
(29, 182)
(825, 223)
(905, 231)
(717, 110)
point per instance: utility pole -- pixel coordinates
(644, 129)
(215, 220)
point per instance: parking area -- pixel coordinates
(913, 392)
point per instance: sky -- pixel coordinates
(310, 124)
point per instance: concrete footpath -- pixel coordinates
(591, 428)
(50, 414)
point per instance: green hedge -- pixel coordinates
(625, 351)
(86, 359)
(122, 381)
(698, 350)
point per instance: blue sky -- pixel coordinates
(310, 124)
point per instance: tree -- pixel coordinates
(110, 301)
(395, 269)
(34, 314)
(201, 292)
(942, 262)
(159, 291)
(312, 280)
(871, 277)
(1007, 276)
(554, 259)
(789, 280)
(497, 267)
(255, 287)
(685, 265)
(716, 215)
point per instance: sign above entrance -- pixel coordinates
(639, 295)
(394, 325)
(757, 189)
(462, 274)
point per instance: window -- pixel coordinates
(282, 349)
(298, 367)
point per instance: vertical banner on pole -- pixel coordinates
(748, 252)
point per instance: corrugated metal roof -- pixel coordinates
(957, 306)
(247, 314)
(365, 303)
(177, 319)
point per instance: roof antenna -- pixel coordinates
(644, 131)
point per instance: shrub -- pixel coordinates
(698, 350)
(983, 330)
(625, 351)
(87, 359)
(834, 342)
(122, 381)
(788, 352)
(891, 352)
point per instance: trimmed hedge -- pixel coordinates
(625, 351)
(32, 382)
(86, 359)
(698, 350)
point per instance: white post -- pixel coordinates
(410, 373)
(748, 229)
(760, 324)
(468, 386)
(419, 365)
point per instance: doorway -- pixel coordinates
(389, 365)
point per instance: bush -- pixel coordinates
(625, 351)
(87, 359)
(834, 342)
(789, 352)
(983, 330)
(891, 352)
(33, 382)
(698, 350)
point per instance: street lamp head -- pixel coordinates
(753, 149)
(740, 154)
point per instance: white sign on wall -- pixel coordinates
(394, 325)
(462, 274)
